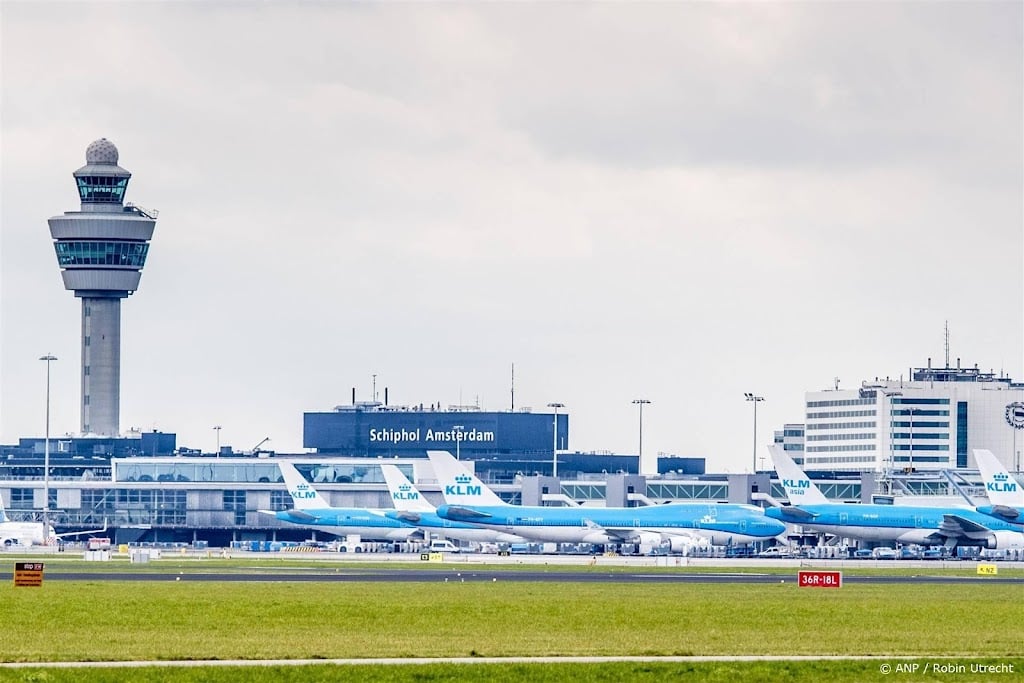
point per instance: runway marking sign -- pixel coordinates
(808, 579)
(988, 569)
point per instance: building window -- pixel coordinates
(23, 498)
(280, 500)
(235, 501)
(961, 434)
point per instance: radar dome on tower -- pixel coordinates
(102, 151)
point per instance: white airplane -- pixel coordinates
(31, 533)
(412, 507)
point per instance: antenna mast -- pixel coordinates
(947, 343)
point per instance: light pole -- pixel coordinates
(216, 428)
(457, 430)
(641, 402)
(554, 439)
(756, 400)
(46, 455)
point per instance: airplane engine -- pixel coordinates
(597, 538)
(681, 544)
(647, 538)
(1005, 540)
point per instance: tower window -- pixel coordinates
(101, 189)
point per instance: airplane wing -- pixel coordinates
(411, 517)
(955, 526)
(80, 533)
(461, 511)
(797, 512)
(299, 514)
(1010, 514)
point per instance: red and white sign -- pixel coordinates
(819, 579)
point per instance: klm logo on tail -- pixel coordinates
(405, 492)
(1002, 484)
(800, 484)
(303, 492)
(463, 487)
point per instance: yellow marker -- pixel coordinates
(988, 569)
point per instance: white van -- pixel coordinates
(443, 546)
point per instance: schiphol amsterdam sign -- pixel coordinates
(430, 436)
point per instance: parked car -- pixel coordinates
(909, 552)
(884, 554)
(775, 551)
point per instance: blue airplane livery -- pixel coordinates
(313, 511)
(413, 508)
(678, 525)
(922, 525)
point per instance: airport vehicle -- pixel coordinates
(412, 507)
(443, 546)
(31, 533)
(679, 525)
(923, 525)
(1005, 494)
(313, 511)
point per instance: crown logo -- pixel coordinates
(302, 487)
(463, 479)
(405, 487)
(1000, 477)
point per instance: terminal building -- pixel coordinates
(930, 422)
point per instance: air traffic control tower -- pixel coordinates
(101, 250)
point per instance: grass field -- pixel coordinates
(110, 621)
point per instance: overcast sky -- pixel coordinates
(680, 202)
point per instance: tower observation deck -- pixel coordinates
(101, 250)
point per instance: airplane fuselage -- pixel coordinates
(462, 531)
(720, 524)
(351, 521)
(902, 524)
(22, 533)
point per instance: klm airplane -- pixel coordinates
(680, 525)
(312, 510)
(922, 525)
(412, 507)
(1005, 494)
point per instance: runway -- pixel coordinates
(442, 575)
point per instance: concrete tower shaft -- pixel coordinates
(101, 251)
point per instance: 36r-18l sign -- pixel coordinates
(819, 579)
